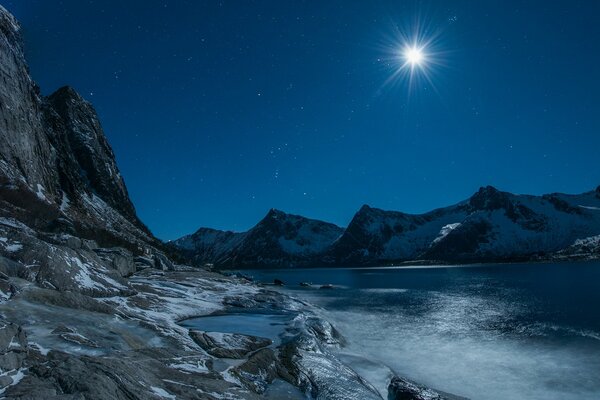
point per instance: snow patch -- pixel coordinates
(446, 229)
(11, 248)
(40, 193)
(162, 393)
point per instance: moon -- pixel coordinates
(414, 56)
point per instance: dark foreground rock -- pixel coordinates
(403, 389)
(228, 345)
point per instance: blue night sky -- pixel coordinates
(218, 111)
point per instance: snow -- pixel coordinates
(40, 192)
(173, 300)
(446, 229)
(197, 367)
(590, 208)
(534, 224)
(15, 375)
(162, 393)
(311, 236)
(43, 350)
(11, 248)
(64, 205)
(88, 276)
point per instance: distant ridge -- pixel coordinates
(489, 226)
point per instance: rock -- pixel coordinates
(162, 262)
(305, 284)
(119, 259)
(259, 371)
(327, 286)
(13, 346)
(60, 329)
(142, 262)
(403, 389)
(320, 374)
(228, 345)
(79, 339)
(278, 282)
(324, 331)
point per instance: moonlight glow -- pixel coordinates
(414, 56)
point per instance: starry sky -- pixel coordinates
(220, 110)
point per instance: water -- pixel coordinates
(270, 326)
(483, 332)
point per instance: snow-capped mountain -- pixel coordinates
(505, 226)
(489, 226)
(279, 239)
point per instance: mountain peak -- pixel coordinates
(9, 24)
(75, 119)
(65, 93)
(365, 208)
(488, 190)
(488, 198)
(275, 213)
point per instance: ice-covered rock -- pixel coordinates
(403, 389)
(228, 345)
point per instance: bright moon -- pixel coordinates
(414, 56)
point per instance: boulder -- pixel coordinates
(119, 259)
(13, 346)
(142, 262)
(260, 370)
(228, 345)
(162, 262)
(403, 389)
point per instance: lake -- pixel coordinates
(526, 331)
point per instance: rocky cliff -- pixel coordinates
(57, 171)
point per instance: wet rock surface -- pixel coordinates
(228, 345)
(403, 389)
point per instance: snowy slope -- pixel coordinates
(279, 239)
(489, 226)
(505, 226)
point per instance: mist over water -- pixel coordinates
(483, 332)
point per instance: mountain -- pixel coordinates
(504, 226)
(376, 235)
(489, 226)
(278, 240)
(57, 170)
(64, 207)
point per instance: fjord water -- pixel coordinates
(483, 332)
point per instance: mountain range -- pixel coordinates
(490, 226)
(92, 304)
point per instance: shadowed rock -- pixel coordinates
(403, 389)
(228, 345)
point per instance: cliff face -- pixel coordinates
(25, 149)
(73, 121)
(57, 171)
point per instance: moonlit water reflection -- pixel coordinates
(494, 332)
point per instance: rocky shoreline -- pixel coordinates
(63, 344)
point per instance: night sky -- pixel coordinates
(218, 111)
